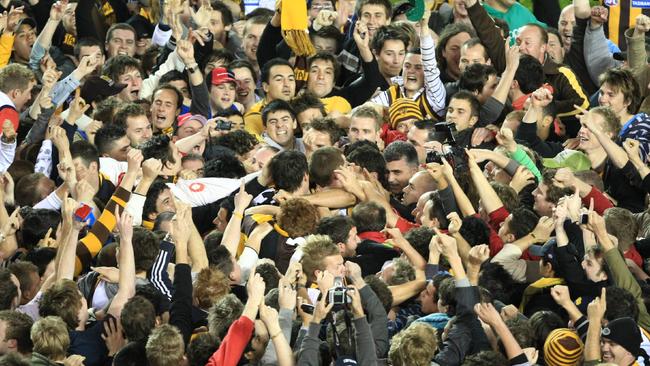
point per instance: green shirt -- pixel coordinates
(517, 16)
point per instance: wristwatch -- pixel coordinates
(191, 68)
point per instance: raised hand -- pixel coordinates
(357, 308)
(512, 55)
(446, 244)
(134, 160)
(13, 223)
(151, 168)
(487, 313)
(564, 178)
(541, 97)
(543, 230)
(124, 224)
(114, 339)
(84, 191)
(479, 254)
(599, 15)
(522, 178)
(286, 295)
(201, 17)
(455, 223)
(361, 34)
(506, 139)
(633, 150)
(91, 130)
(642, 24)
(597, 307)
(14, 16)
(78, 107)
(57, 9)
(255, 288)
(561, 295)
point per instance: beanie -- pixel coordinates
(563, 347)
(403, 109)
(624, 332)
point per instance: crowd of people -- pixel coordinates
(196, 182)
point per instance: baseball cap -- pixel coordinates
(221, 75)
(575, 160)
(143, 27)
(29, 21)
(546, 251)
(624, 332)
(187, 117)
(97, 88)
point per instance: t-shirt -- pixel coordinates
(89, 343)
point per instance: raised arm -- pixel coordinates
(127, 264)
(434, 89)
(489, 198)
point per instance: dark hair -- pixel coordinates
(368, 157)
(240, 141)
(224, 54)
(86, 151)
(269, 274)
(106, 109)
(18, 326)
(226, 15)
(86, 42)
(128, 110)
(447, 33)
(138, 319)
(170, 87)
(621, 304)
(26, 191)
(446, 292)
(288, 169)
(336, 227)
(227, 166)
(522, 331)
(307, 101)
(173, 75)
(276, 106)
(118, 65)
(221, 259)
(556, 32)
(243, 64)
(328, 32)
(497, 280)
(530, 74)
(483, 358)
(41, 257)
(162, 218)
(369, 216)
(148, 247)
(522, 223)
(475, 77)
(8, 290)
(543, 323)
(325, 56)
(36, 224)
(322, 164)
(106, 137)
(475, 231)
(554, 193)
(474, 104)
(388, 33)
(420, 238)
(158, 147)
(203, 345)
(399, 150)
(154, 191)
(266, 70)
(22, 271)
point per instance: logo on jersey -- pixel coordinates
(611, 2)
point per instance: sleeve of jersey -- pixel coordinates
(9, 113)
(91, 244)
(434, 89)
(6, 45)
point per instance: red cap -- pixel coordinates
(220, 75)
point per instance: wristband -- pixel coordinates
(238, 215)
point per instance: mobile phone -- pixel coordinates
(84, 213)
(584, 219)
(224, 125)
(307, 308)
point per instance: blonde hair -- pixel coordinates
(15, 76)
(414, 346)
(50, 337)
(165, 346)
(314, 251)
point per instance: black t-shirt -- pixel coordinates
(89, 343)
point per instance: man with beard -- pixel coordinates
(402, 164)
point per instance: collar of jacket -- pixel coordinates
(550, 67)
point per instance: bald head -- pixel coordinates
(565, 25)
